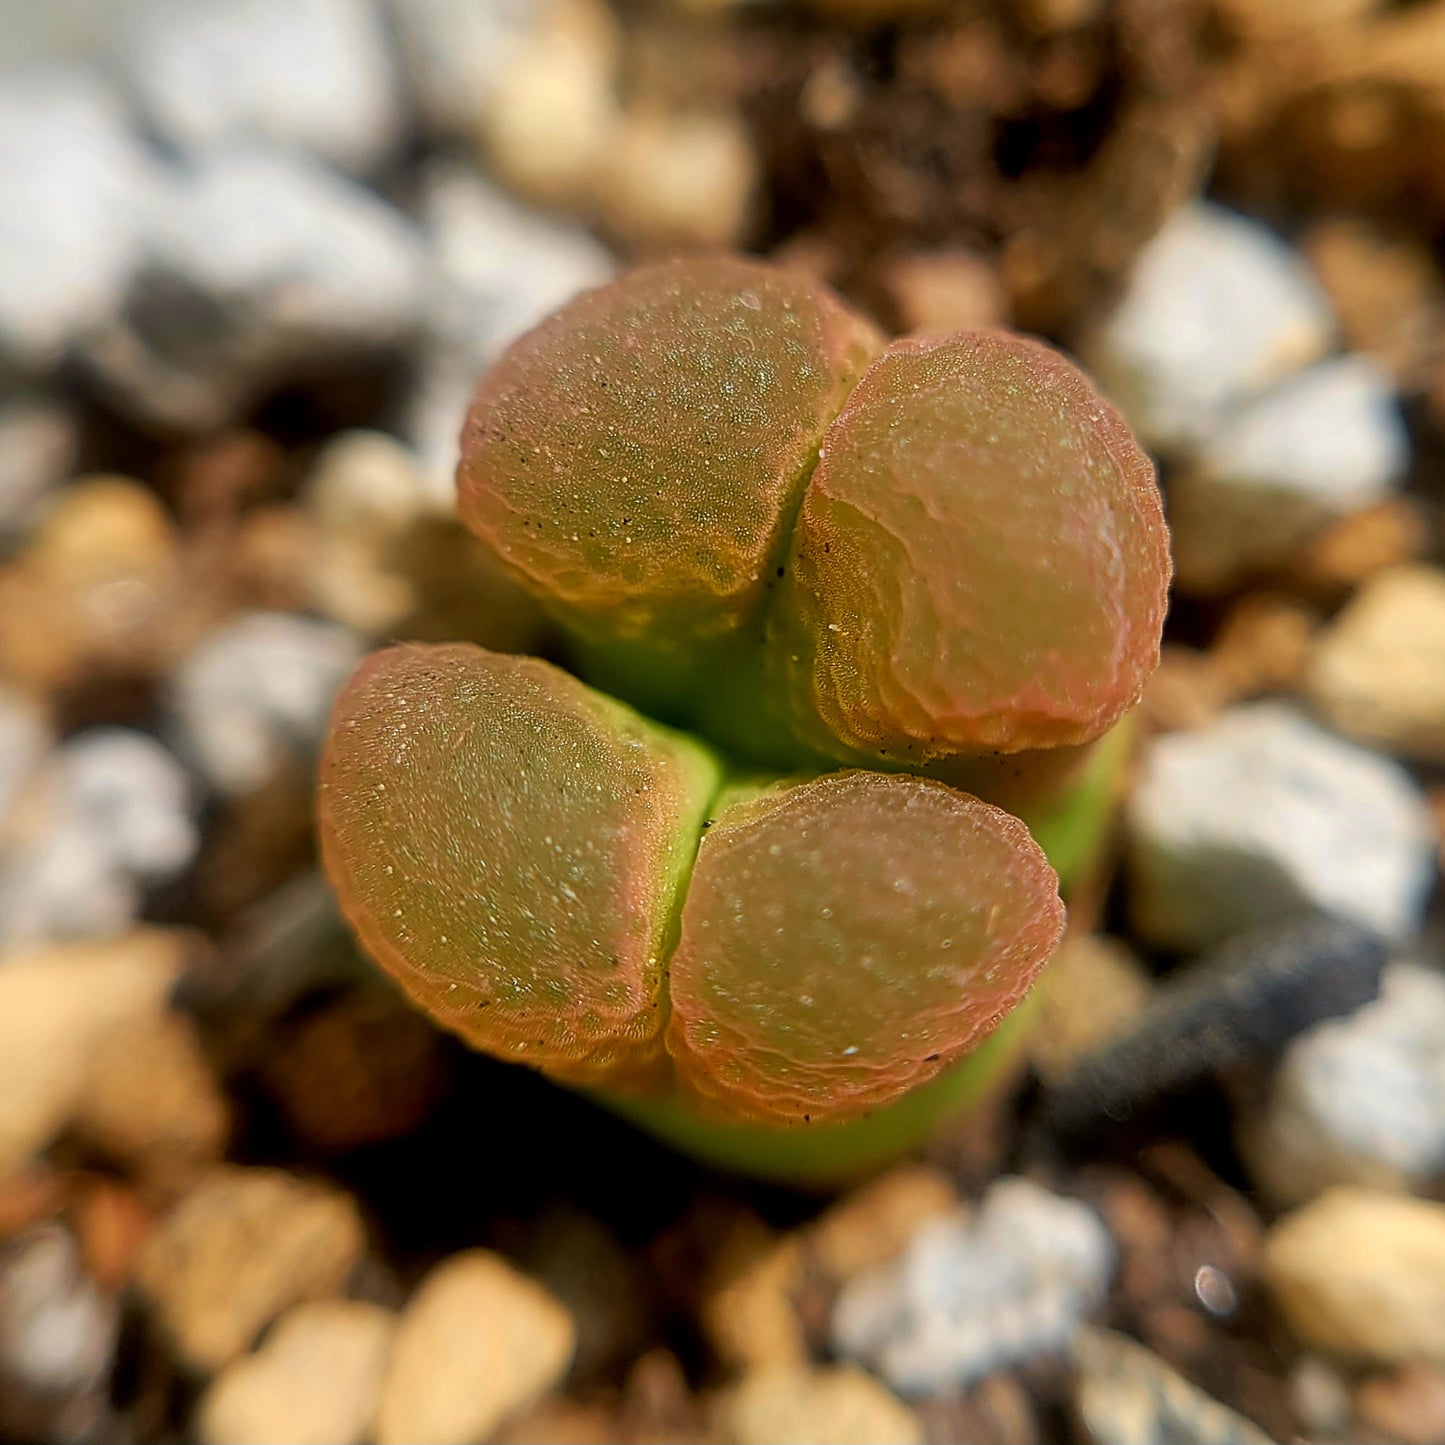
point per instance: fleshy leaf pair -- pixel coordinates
(564, 883)
(751, 514)
(755, 520)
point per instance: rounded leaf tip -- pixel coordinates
(847, 939)
(510, 845)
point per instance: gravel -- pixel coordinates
(971, 1295)
(315, 75)
(79, 194)
(256, 693)
(264, 266)
(1360, 1100)
(1263, 815)
(1217, 308)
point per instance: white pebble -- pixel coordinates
(456, 51)
(1217, 309)
(265, 265)
(119, 817)
(257, 691)
(970, 1296)
(314, 74)
(78, 189)
(1325, 443)
(1262, 815)
(1359, 1100)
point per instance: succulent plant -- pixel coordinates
(840, 577)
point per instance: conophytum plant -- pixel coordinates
(837, 610)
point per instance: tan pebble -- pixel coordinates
(560, 1422)
(241, 1247)
(478, 1343)
(1386, 289)
(552, 112)
(58, 1004)
(938, 292)
(1378, 672)
(1262, 645)
(316, 1380)
(1361, 1272)
(805, 1406)
(1093, 989)
(1058, 17)
(102, 527)
(679, 178)
(1267, 22)
(1356, 547)
(150, 1101)
(1407, 1405)
(748, 1312)
(112, 1223)
(874, 1224)
(1185, 691)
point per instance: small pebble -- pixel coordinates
(1217, 309)
(683, 178)
(873, 1224)
(1126, 1395)
(1264, 815)
(315, 1381)
(241, 1247)
(311, 74)
(152, 1103)
(57, 1330)
(1360, 1100)
(971, 1295)
(1361, 1273)
(58, 1005)
(1093, 990)
(1407, 1405)
(817, 1406)
(1327, 442)
(502, 266)
(455, 52)
(549, 118)
(257, 692)
(1240, 1005)
(749, 1311)
(477, 1343)
(267, 266)
(39, 442)
(1378, 670)
(79, 189)
(120, 817)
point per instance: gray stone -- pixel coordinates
(257, 692)
(1327, 442)
(455, 51)
(118, 817)
(264, 266)
(1239, 1006)
(79, 190)
(972, 1295)
(57, 1331)
(312, 74)
(1360, 1100)
(1262, 815)
(38, 445)
(500, 269)
(1127, 1395)
(1217, 309)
